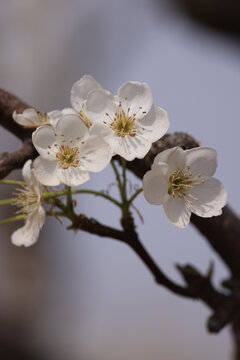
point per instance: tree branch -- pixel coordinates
(198, 286)
(16, 159)
(222, 232)
(9, 103)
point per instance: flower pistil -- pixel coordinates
(181, 183)
(68, 156)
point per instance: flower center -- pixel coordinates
(27, 200)
(181, 183)
(68, 157)
(43, 118)
(123, 124)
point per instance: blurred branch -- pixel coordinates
(9, 103)
(16, 159)
(221, 14)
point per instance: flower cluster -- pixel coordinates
(83, 138)
(75, 141)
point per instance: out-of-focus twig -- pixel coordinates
(16, 159)
(9, 103)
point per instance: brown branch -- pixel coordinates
(198, 286)
(130, 237)
(223, 234)
(92, 226)
(226, 307)
(16, 159)
(9, 103)
(202, 285)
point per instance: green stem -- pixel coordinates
(120, 185)
(47, 195)
(57, 202)
(133, 197)
(125, 204)
(12, 219)
(69, 199)
(13, 182)
(123, 162)
(8, 201)
(58, 213)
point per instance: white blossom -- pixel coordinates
(31, 118)
(79, 93)
(68, 152)
(129, 122)
(29, 201)
(182, 182)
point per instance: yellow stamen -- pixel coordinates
(181, 183)
(123, 124)
(27, 200)
(68, 157)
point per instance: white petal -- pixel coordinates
(100, 103)
(54, 116)
(38, 187)
(131, 147)
(177, 212)
(26, 172)
(28, 234)
(155, 123)
(155, 184)
(212, 198)
(32, 114)
(29, 118)
(102, 130)
(201, 160)
(69, 111)
(71, 129)
(21, 120)
(80, 90)
(72, 176)
(137, 96)
(175, 157)
(106, 133)
(46, 171)
(95, 154)
(43, 140)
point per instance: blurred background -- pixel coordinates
(76, 296)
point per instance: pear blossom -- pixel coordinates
(29, 201)
(181, 181)
(129, 122)
(79, 93)
(68, 152)
(32, 118)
